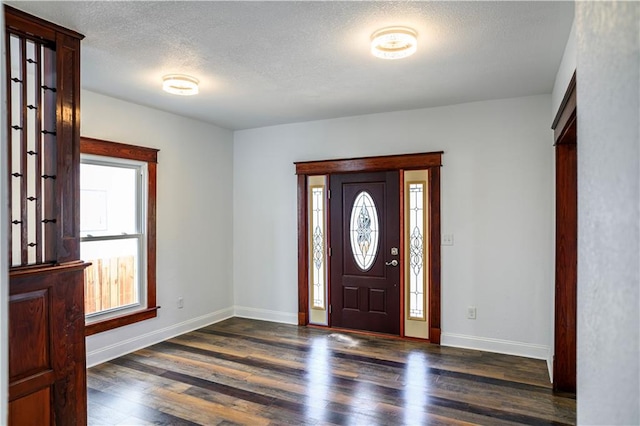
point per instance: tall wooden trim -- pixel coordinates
(401, 258)
(431, 161)
(434, 255)
(565, 317)
(303, 273)
(68, 130)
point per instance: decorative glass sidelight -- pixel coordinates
(317, 247)
(364, 230)
(416, 230)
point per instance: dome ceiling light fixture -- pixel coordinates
(394, 42)
(180, 84)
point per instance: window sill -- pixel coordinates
(111, 323)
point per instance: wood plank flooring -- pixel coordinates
(249, 372)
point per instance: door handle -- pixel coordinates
(394, 262)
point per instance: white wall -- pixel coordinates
(608, 212)
(496, 200)
(194, 218)
(4, 238)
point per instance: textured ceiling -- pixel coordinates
(265, 63)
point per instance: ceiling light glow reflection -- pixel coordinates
(178, 84)
(394, 42)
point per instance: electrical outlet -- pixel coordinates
(180, 303)
(471, 312)
(447, 239)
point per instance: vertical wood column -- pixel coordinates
(434, 255)
(566, 267)
(303, 270)
(566, 275)
(68, 137)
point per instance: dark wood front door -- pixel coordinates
(365, 244)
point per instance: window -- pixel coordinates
(317, 249)
(416, 249)
(117, 229)
(364, 231)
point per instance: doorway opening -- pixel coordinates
(369, 244)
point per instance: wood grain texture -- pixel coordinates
(365, 300)
(34, 409)
(150, 156)
(46, 323)
(29, 335)
(566, 268)
(46, 308)
(567, 108)
(67, 181)
(242, 371)
(370, 164)
(118, 150)
(8, 160)
(303, 271)
(35, 27)
(434, 255)
(566, 277)
(152, 213)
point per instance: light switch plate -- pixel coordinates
(447, 239)
(471, 312)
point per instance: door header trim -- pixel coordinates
(429, 160)
(370, 164)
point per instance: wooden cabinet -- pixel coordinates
(47, 346)
(47, 359)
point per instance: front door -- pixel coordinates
(365, 244)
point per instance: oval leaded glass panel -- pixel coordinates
(364, 230)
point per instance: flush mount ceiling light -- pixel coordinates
(394, 42)
(178, 84)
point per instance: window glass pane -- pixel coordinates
(111, 281)
(416, 250)
(364, 230)
(108, 200)
(318, 246)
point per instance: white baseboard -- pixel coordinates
(265, 315)
(130, 345)
(508, 347)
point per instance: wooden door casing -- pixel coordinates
(365, 300)
(431, 161)
(566, 268)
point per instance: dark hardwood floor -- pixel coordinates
(242, 371)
